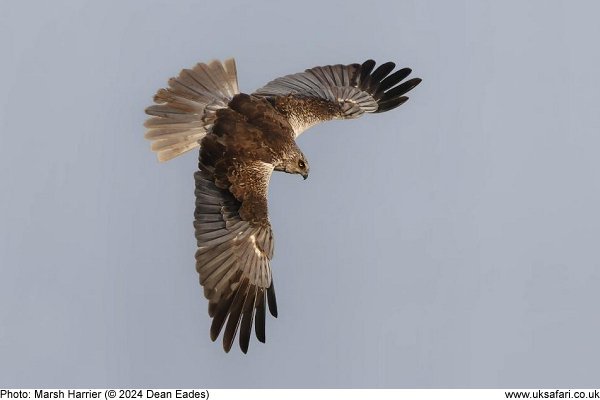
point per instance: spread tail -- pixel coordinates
(186, 109)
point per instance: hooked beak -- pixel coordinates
(305, 175)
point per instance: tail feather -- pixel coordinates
(186, 109)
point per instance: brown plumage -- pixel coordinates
(243, 139)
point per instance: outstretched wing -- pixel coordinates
(235, 246)
(338, 91)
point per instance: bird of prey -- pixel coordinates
(243, 138)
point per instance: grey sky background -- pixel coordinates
(452, 242)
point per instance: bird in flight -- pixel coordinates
(243, 138)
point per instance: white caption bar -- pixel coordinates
(277, 394)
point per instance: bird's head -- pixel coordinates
(296, 164)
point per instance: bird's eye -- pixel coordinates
(301, 164)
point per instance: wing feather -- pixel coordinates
(338, 91)
(234, 252)
(259, 324)
(247, 317)
(235, 313)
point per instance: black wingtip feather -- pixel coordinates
(392, 80)
(219, 319)
(212, 308)
(386, 88)
(271, 300)
(401, 89)
(235, 314)
(382, 71)
(259, 318)
(391, 104)
(247, 317)
(365, 71)
(367, 67)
